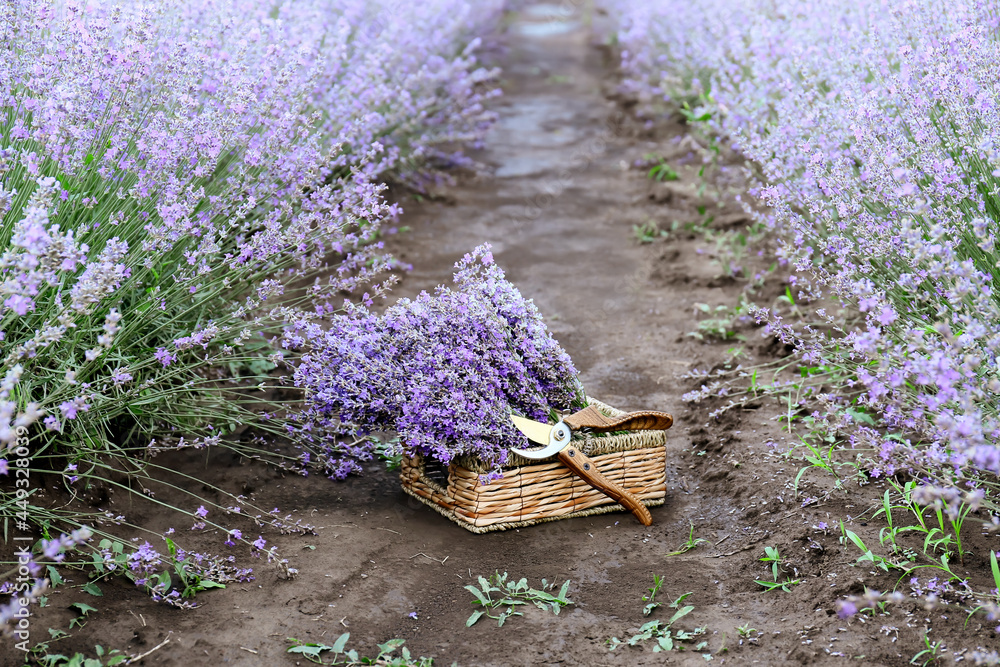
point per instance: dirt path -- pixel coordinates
(559, 211)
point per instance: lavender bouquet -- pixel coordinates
(444, 371)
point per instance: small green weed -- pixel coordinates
(867, 555)
(752, 635)
(104, 658)
(689, 544)
(666, 636)
(40, 653)
(648, 232)
(772, 556)
(343, 656)
(648, 599)
(720, 323)
(497, 592)
(660, 171)
(930, 653)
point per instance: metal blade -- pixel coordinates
(534, 431)
(556, 436)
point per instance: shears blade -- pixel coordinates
(534, 431)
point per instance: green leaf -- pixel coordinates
(479, 595)
(851, 535)
(115, 660)
(391, 645)
(476, 615)
(995, 568)
(563, 591)
(860, 416)
(313, 650)
(54, 577)
(341, 643)
(680, 613)
(665, 642)
(205, 584)
(93, 589)
(84, 608)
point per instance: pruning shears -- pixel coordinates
(557, 439)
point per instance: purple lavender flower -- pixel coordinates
(444, 371)
(846, 609)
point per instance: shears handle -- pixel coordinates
(583, 466)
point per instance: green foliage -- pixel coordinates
(689, 544)
(649, 599)
(691, 116)
(661, 171)
(666, 636)
(389, 452)
(103, 659)
(867, 555)
(772, 556)
(314, 652)
(720, 322)
(648, 232)
(498, 592)
(930, 653)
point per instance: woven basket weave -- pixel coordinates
(536, 491)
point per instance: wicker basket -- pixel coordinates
(535, 491)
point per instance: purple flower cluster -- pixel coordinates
(170, 174)
(168, 170)
(26, 584)
(874, 133)
(150, 569)
(444, 371)
(161, 166)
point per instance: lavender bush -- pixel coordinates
(444, 371)
(171, 175)
(872, 131)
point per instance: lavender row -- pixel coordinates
(872, 129)
(180, 181)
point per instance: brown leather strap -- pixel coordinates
(642, 420)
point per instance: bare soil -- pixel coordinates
(558, 207)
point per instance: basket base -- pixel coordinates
(507, 525)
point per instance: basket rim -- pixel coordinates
(589, 444)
